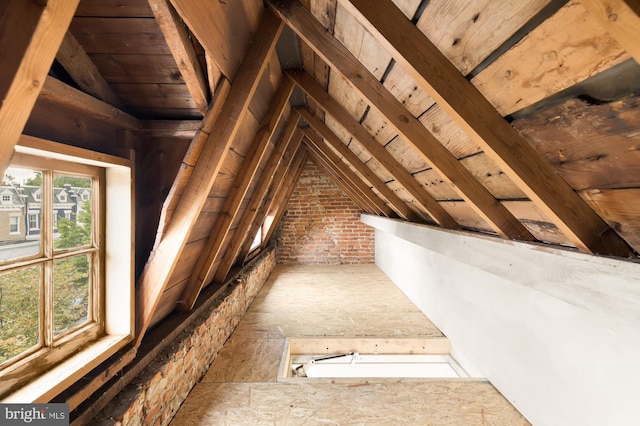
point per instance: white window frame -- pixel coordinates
(118, 279)
(17, 217)
(6, 198)
(37, 217)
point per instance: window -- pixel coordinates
(14, 224)
(66, 295)
(257, 240)
(62, 196)
(6, 198)
(38, 196)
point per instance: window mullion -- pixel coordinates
(46, 234)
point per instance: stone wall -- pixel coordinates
(155, 395)
(322, 225)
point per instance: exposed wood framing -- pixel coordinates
(179, 129)
(183, 52)
(384, 157)
(411, 129)
(473, 112)
(31, 35)
(621, 18)
(315, 143)
(348, 156)
(81, 68)
(253, 215)
(281, 198)
(204, 266)
(65, 95)
(157, 272)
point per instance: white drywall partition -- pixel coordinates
(557, 332)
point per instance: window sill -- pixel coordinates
(54, 381)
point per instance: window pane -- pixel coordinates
(19, 307)
(20, 213)
(70, 293)
(72, 211)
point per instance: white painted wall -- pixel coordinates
(556, 332)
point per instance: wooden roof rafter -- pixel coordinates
(158, 270)
(409, 127)
(475, 114)
(212, 252)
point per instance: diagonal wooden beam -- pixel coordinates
(621, 18)
(204, 266)
(475, 114)
(182, 50)
(314, 142)
(384, 157)
(348, 156)
(65, 95)
(30, 37)
(84, 72)
(253, 215)
(158, 270)
(282, 196)
(321, 163)
(396, 114)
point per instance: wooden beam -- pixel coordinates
(281, 198)
(158, 270)
(475, 114)
(179, 129)
(621, 18)
(30, 37)
(382, 156)
(396, 114)
(378, 206)
(182, 50)
(65, 95)
(348, 156)
(204, 266)
(252, 218)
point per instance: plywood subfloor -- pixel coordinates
(343, 301)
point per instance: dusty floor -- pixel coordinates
(331, 301)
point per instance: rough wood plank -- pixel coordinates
(179, 129)
(181, 47)
(100, 35)
(84, 72)
(211, 253)
(407, 125)
(31, 35)
(396, 203)
(141, 69)
(352, 126)
(464, 103)
(155, 96)
(155, 277)
(112, 8)
(564, 50)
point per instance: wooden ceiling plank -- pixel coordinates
(160, 266)
(84, 72)
(475, 114)
(183, 51)
(65, 95)
(358, 132)
(621, 18)
(178, 129)
(253, 216)
(314, 142)
(332, 51)
(396, 203)
(245, 177)
(31, 35)
(282, 196)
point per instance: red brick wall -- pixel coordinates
(322, 225)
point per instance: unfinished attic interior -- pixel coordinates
(453, 179)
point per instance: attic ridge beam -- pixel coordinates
(31, 35)
(282, 196)
(183, 52)
(65, 95)
(251, 220)
(384, 157)
(396, 203)
(621, 18)
(410, 128)
(220, 231)
(157, 273)
(84, 72)
(475, 114)
(315, 143)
